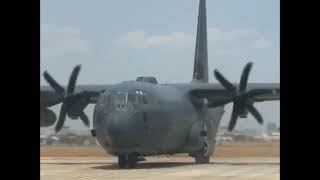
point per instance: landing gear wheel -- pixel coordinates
(201, 156)
(127, 161)
(201, 159)
(121, 161)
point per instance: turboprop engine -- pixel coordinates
(47, 118)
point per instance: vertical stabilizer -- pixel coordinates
(200, 71)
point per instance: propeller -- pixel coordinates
(73, 103)
(241, 98)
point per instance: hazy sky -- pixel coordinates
(117, 40)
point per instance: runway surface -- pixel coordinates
(94, 168)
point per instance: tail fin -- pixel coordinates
(200, 71)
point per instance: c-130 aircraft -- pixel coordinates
(134, 119)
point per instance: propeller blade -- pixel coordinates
(77, 100)
(73, 79)
(224, 82)
(62, 117)
(85, 119)
(244, 77)
(255, 113)
(234, 117)
(241, 97)
(53, 83)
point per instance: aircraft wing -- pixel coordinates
(74, 99)
(218, 95)
(77, 95)
(79, 98)
(243, 96)
(49, 97)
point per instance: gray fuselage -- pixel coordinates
(165, 122)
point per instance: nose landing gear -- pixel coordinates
(126, 161)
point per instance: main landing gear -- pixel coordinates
(202, 156)
(128, 161)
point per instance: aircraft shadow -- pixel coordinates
(157, 165)
(245, 163)
(147, 165)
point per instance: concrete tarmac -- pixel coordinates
(95, 168)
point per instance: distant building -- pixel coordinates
(275, 136)
(271, 127)
(223, 134)
(224, 138)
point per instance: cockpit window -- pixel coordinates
(132, 98)
(142, 96)
(122, 97)
(118, 97)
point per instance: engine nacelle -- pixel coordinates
(244, 114)
(148, 79)
(47, 118)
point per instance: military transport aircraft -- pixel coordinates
(141, 118)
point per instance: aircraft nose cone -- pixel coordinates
(123, 128)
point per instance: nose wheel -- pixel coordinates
(127, 161)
